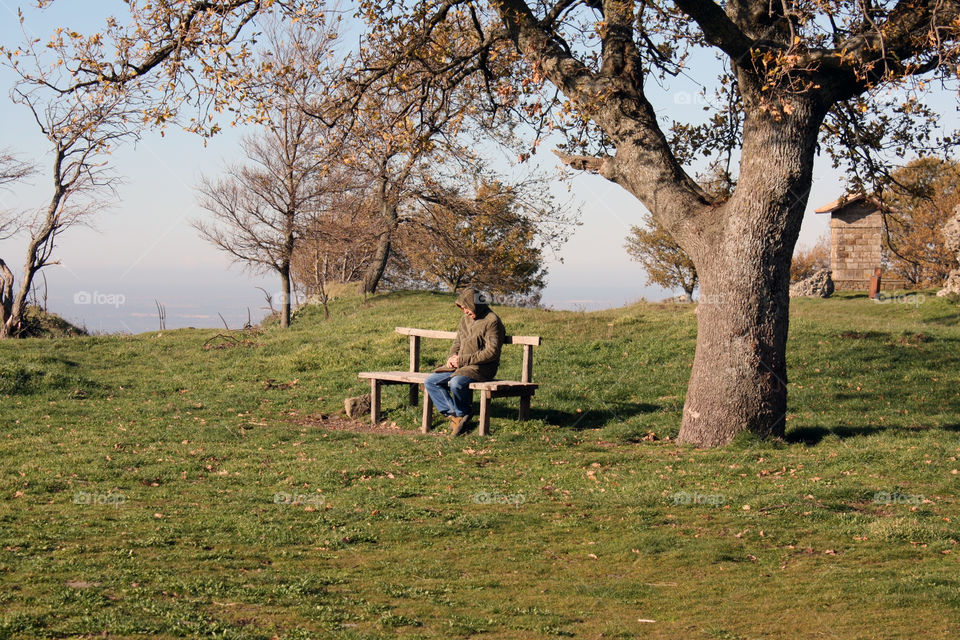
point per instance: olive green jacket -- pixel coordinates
(478, 341)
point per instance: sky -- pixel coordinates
(143, 251)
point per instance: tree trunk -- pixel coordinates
(374, 272)
(6, 299)
(285, 296)
(16, 305)
(38, 255)
(371, 279)
(739, 377)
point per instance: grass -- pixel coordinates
(156, 488)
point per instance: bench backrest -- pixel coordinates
(528, 343)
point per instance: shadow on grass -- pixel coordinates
(589, 419)
(593, 418)
(813, 435)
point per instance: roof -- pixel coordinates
(850, 198)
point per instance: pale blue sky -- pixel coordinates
(144, 248)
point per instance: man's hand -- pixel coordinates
(453, 361)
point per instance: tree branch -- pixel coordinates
(717, 27)
(619, 107)
(882, 48)
(620, 54)
(602, 165)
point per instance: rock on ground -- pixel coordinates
(357, 406)
(819, 285)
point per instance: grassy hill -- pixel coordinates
(192, 484)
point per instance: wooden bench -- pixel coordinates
(524, 388)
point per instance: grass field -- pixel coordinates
(152, 487)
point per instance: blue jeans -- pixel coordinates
(451, 394)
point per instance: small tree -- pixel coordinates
(922, 198)
(259, 209)
(390, 141)
(337, 245)
(81, 132)
(666, 263)
(493, 239)
(807, 261)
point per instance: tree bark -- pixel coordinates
(739, 377)
(38, 256)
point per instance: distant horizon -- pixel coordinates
(105, 306)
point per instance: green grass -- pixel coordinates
(140, 477)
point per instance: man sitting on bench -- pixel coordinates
(474, 357)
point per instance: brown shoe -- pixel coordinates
(458, 424)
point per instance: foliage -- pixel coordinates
(491, 240)
(923, 196)
(157, 489)
(666, 263)
(170, 54)
(808, 260)
(336, 244)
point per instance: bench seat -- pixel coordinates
(524, 389)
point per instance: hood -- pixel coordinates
(468, 300)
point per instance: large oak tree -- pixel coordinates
(790, 70)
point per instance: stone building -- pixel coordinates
(856, 243)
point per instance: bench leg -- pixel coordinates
(414, 394)
(427, 412)
(524, 407)
(484, 413)
(374, 400)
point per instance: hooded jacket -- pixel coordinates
(479, 340)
